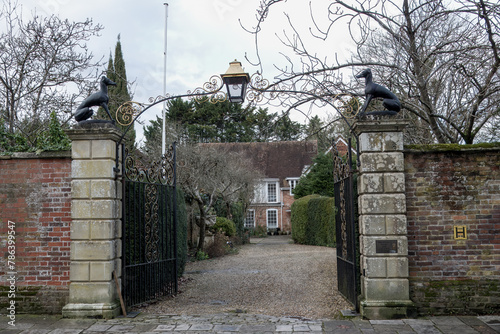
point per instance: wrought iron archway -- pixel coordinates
(258, 91)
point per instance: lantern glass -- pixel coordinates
(236, 82)
(236, 88)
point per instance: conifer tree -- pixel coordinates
(110, 73)
(118, 94)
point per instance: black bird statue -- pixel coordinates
(99, 99)
(373, 90)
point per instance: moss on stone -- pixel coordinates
(451, 147)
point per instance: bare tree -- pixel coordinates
(44, 67)
(207, 172)
(441, 59)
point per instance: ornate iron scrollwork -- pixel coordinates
(210, 91)
(341, 171)
(151, 223)
(292, 93)
(157, 172)
(127, 112)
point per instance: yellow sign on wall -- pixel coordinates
(460, 232)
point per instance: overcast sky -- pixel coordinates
(203, 36)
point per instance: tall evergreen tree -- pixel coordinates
(319, 180)
(118, 94)
(316, 130)
(110, 73)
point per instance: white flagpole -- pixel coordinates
(163, 133)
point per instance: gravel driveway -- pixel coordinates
(270, 276)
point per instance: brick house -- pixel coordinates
(282, 164)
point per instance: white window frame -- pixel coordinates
(268, 211)
(252, 213)
(276, 189)
(292, 182)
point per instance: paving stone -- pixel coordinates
(20, 326)
(387, 322)
(182, 327)
(226, 328)
(40, 321)
(284, 328)
(121, 328)
(142, 328)
(422, 326)
(362, 324)
(257, 328)
(99, 328)
(471, 321)
(316, 328)
(164, 328)
(66, 331)
(338, 326)
(367, 330)
(301, 328)
(392, 329)
(73, 323)
(9, 331)
(450, 329)
(36, 331)
(446, 321)
(247, 323)
(485, 329)
(201, 327)
(493, 321)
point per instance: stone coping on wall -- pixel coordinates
(432, 148)
(34, 155)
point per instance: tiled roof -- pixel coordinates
(276, 159)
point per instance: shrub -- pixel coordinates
(225, 225)
(201, 255)
(54, 139)
(313, 221)
(11, 142)
(300, 219)
(237, 213)
(320, 229)
(259, 231)
(219, 246)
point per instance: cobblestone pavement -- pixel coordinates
(245, 323)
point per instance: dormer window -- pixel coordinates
(292, 183)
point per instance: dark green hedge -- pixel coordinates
(182, 247)
(313, 221)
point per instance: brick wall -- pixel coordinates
(448, 189)
(35, 194)
(284, 211)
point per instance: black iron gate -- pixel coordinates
(149, 259)
(346, 226)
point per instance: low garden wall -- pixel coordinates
(35, 207)
(453, 213)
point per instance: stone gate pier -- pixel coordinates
(95, 227)
(382, 220)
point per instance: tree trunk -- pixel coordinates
(420, 79)
(229, 213)
(202, 225)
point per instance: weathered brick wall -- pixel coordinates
(444, 189)
(35, 194)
